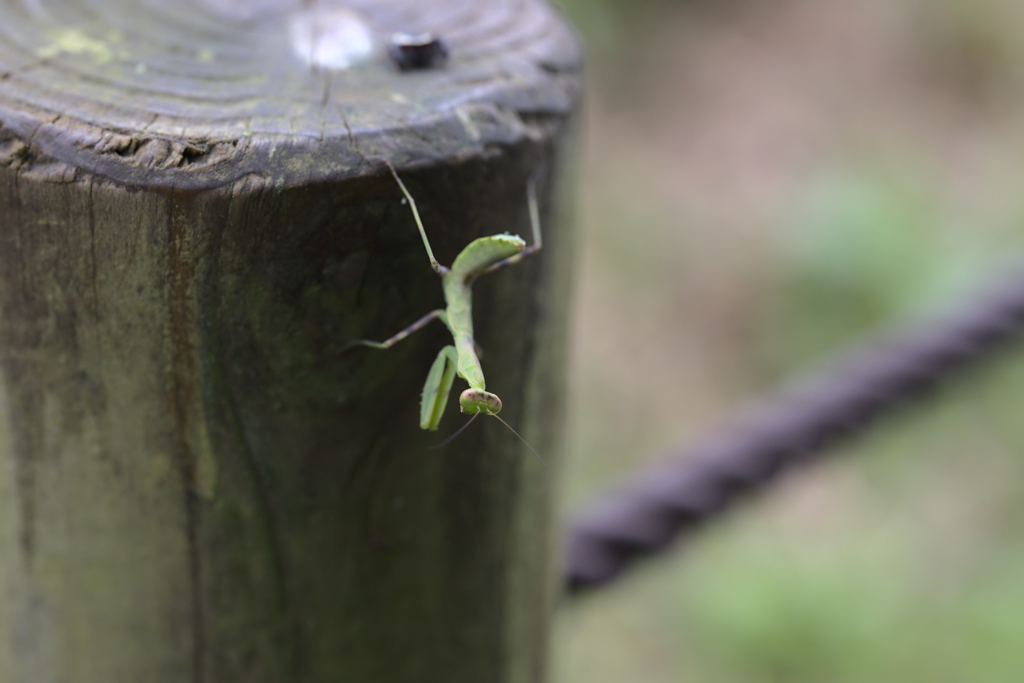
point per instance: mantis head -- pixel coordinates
(474, 401)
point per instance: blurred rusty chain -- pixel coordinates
(648, 512)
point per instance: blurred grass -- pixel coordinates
(762, 183)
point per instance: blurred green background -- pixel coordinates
(761, 183)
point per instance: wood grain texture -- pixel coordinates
(199, 93)
(195, 485)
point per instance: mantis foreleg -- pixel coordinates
(437, 387)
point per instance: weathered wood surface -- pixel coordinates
(194, 484)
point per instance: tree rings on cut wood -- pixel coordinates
(198, 93)
(195, 483)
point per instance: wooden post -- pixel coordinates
(195, 485)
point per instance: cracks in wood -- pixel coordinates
(93, 275)
(325, 99)
(413, 130)
(127, 155)
(348, 131)
(129, 265)
(163, 153)
(257, 470)
(137, 149)
(144, 131)
(183, 370)
(21, 374)
(35, 131)
(182, 375)
(23, 156)
(18, 153)
(196, 577)
(13, 151)
(28, 447)
(22, 68)
(159, 152)
(325, 96)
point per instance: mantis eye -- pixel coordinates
(479, 401)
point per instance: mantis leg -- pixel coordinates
(391, 341)
(531, 198)
(437, 387)
(438, 268)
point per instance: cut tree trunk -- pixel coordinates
(196, 484)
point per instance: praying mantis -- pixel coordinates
(482, 256)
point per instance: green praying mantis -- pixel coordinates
(483, 255)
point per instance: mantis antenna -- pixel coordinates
(457, 432)
(470, 421)
(546, 470)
